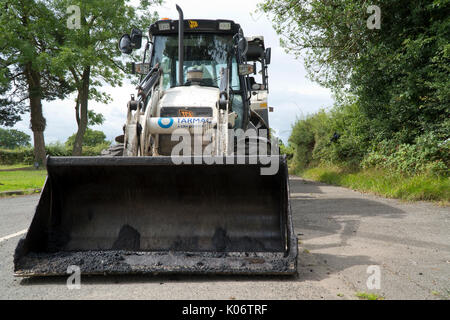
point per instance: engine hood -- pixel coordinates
(190, 96)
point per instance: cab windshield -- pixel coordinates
(204, 57)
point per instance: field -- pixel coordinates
(21, 179)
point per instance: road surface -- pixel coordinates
(346, 240)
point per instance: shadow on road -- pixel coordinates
(335, 217)
(315, 214)
(130, 279)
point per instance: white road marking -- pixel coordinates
(14, 235)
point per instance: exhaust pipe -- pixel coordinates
(180, 45)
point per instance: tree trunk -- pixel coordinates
(82, 114)
(37, 121)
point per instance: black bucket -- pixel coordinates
(148, 215)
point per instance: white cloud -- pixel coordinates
(291, 93)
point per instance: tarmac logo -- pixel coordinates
(74, 280)
(167, 125)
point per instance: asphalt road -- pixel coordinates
(341, 234)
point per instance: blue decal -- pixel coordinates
(165, 126)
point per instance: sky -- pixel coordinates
(291, 94)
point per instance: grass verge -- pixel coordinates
(390, 185)
(22, 180)
(369, 296)
(14, 166)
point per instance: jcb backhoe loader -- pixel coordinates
(188, 189)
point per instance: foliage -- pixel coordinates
(95, 118)
(89, 56)
(11, 139)
(313, 144)
(27, 32)
(25, 156)
(21, 155)
(8, 115)
(392, 85)
(92, 138)
(41, 58)
(96, 150)
(422, 186)
(428, 154)
(28, 40)
(57, 149)
(94, 44)
(288, 151)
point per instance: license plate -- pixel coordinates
(185, 113)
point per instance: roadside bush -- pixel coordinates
(20, 155)
(309, 140)
(343, 137)
(57, 149)
(428, 154)
(91, 138)
(336, 137)
(95, 150)
(286, 150)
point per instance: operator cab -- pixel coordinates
(210, 47)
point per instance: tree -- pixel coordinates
(11, 139)
(90, 55)
(402, 81)
(27, 35)
(398, 74)
(329, 35)
(91, 137)
(10, 109)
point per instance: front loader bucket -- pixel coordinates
(125, 215)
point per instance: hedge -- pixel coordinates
(26, 155)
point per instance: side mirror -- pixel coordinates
(136, 38)
(125, 44)
(268, 55)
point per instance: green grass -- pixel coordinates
(22, 180)
(369, 296)
(409, 188)
(14, 166)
